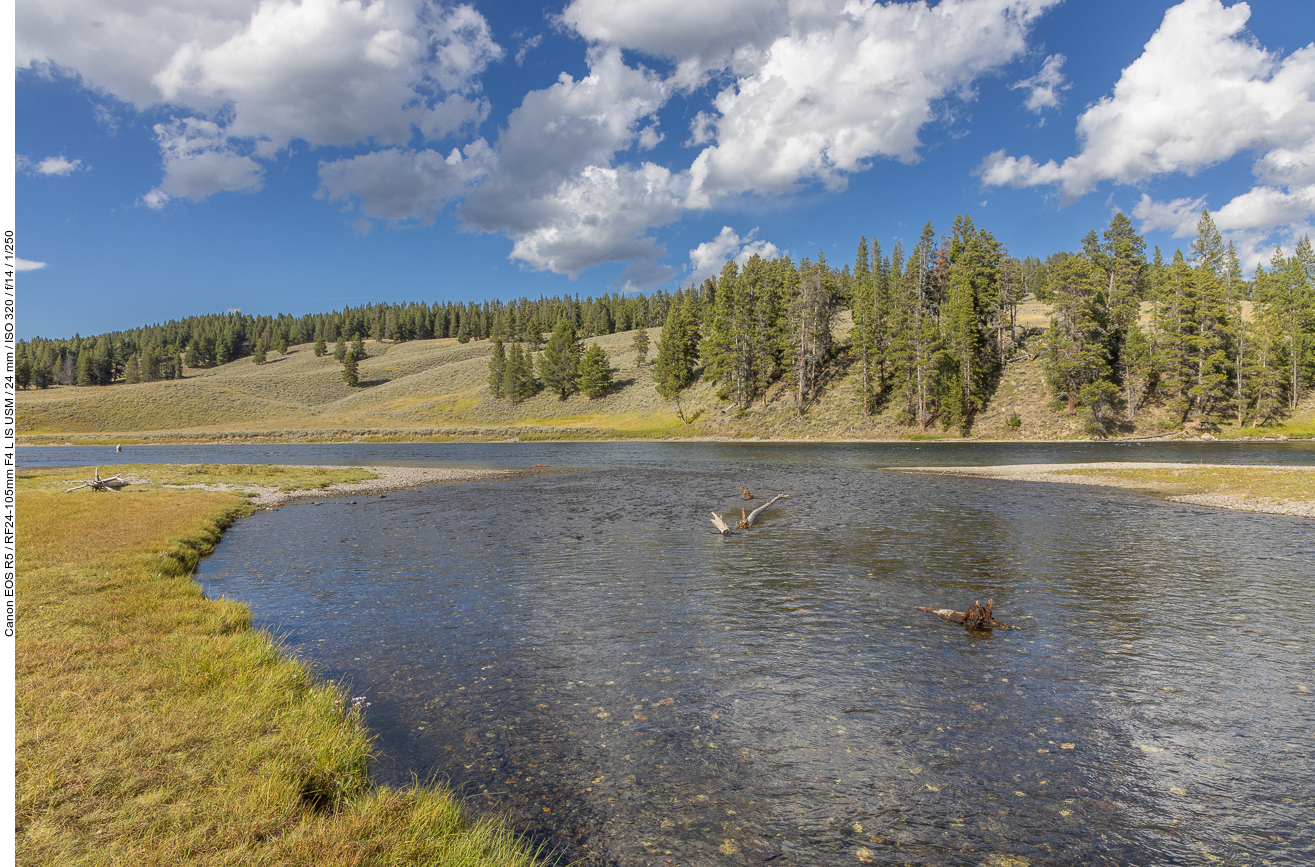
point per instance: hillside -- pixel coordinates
(437, 389)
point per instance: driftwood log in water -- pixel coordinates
(113, 483)
(976, 617)
(746, 521)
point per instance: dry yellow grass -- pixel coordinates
(155, 727)
(1287, 484)
(236, 476)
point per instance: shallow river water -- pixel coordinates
(578, 651)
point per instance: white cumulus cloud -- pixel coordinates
(815, 91)
(57, 166)
(558, 190)
(806, 92)
(397, 184)
(28, 265)
(699, 36)
(1202, 91)
(707, 259)
(200, 160)
(843, 88)
(1043, 89)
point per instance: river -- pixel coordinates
(579, 652)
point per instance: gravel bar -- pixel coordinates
(1091, 475)
(390, 479)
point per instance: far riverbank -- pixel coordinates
(1278, 490)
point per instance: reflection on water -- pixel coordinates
(581, 653)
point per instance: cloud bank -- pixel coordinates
(803, 95)
(811, 93)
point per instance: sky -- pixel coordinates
(182, 157)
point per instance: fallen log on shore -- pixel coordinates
(113, 483)
(976, 617)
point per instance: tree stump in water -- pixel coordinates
(977, 616)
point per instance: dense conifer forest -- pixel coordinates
(933, 329)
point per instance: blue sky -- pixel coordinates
(295, 156)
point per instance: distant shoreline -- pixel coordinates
(307, 438)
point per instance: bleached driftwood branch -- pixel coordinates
(99, 484)
(746, 521)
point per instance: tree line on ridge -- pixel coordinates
(933, 329)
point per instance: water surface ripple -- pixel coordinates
(579, 652)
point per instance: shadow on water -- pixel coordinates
(582, 654)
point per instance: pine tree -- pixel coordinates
(134, 371)
(497, 368)
(83, 367)
(350, 373)
(358, 347)
(1265, 375)
(517, 379)
(1176, 327)
(1121, 257)
(970, 360)
(673, 369)
(1140, 367)
(915, 331)
(1209, 345)
(560, 359)
(320, 346)
(866, 334)
(810, 338)
(640, 343)
(595, 373)
(1077, 358)
(340, 349)
(1208, 248)
(258, 355)
(1210, 337)
(1284, 302)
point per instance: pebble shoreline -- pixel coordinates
(1051, 473)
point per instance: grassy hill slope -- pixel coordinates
(438, 389)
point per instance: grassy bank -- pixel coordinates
(1276, 484)
(155, 727)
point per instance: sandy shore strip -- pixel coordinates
(390, 479)
(1092, 474)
